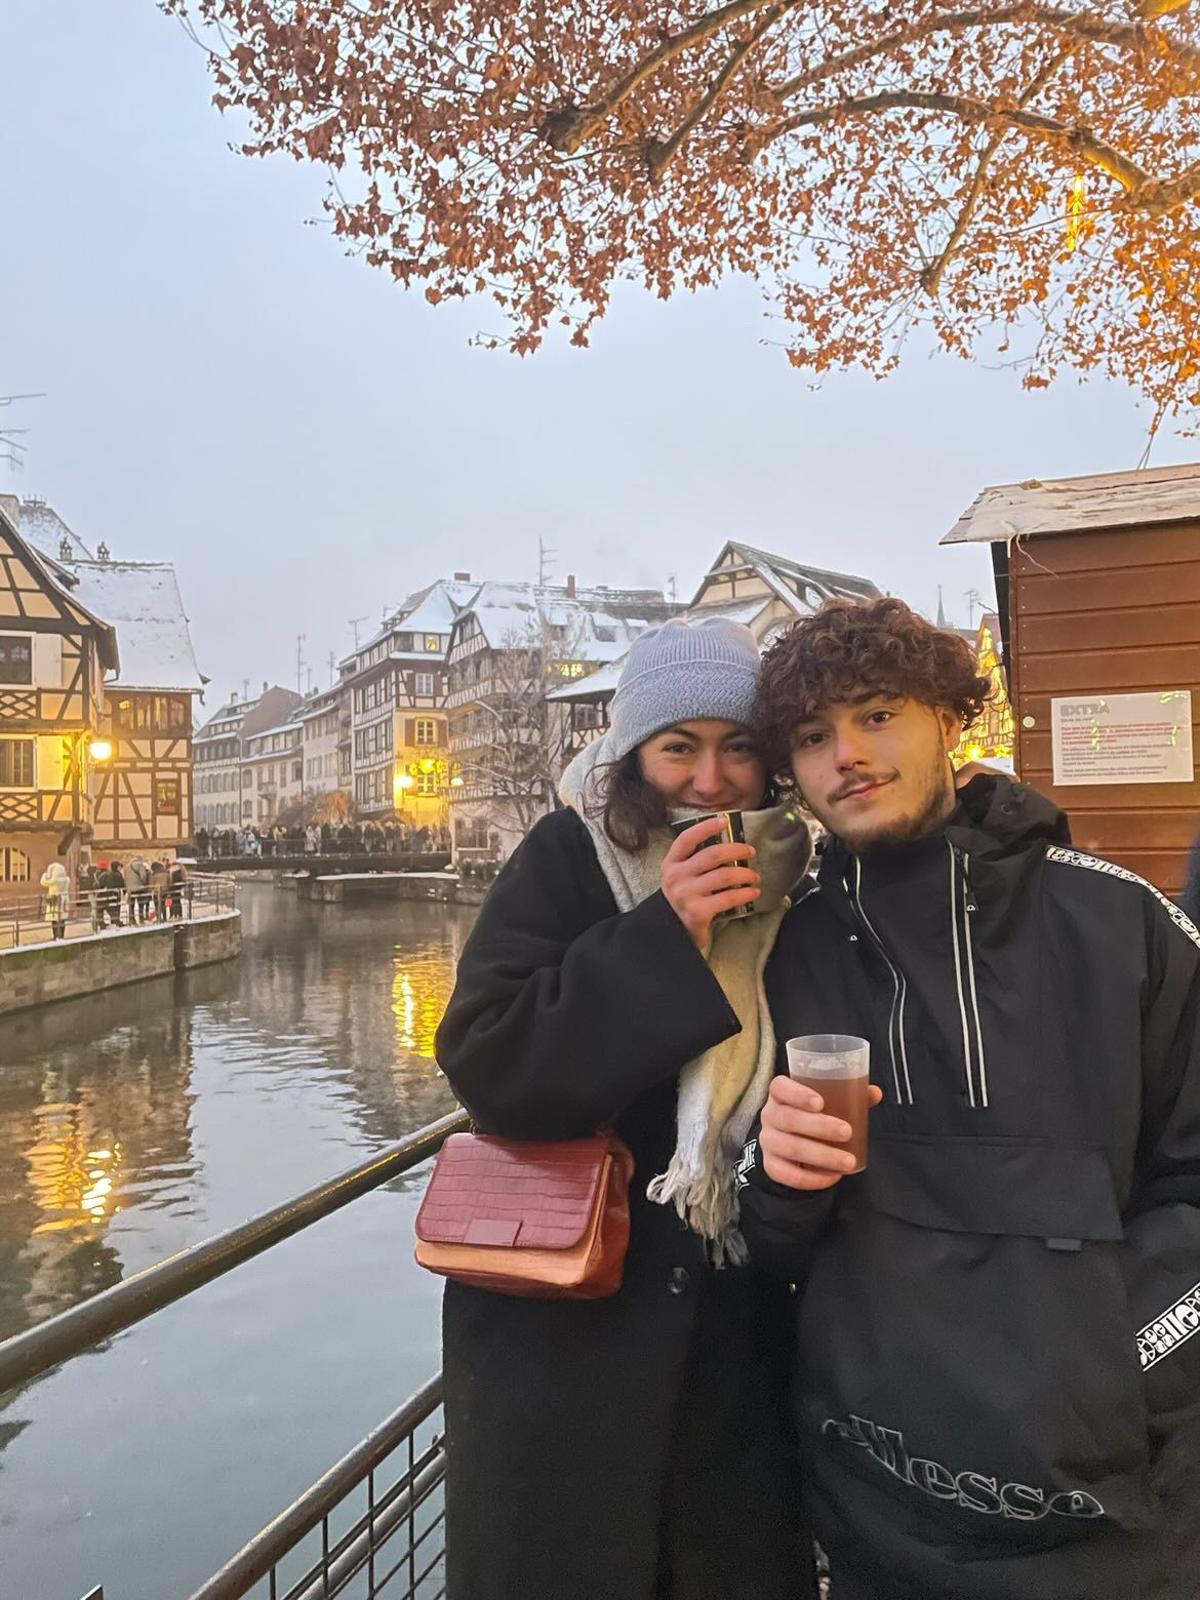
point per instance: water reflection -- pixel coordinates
(137, 1122)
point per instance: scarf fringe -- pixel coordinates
(707, 1203)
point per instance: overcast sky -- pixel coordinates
(308, 443)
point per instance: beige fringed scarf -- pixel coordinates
(722, 1091)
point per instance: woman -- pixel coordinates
(634, 1448)
(57, 886)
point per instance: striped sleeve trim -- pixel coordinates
(1076, 858)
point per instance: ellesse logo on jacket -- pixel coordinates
(973, 1491)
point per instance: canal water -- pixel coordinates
(137, 1122)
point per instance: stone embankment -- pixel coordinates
(36, 975)
(359, 888)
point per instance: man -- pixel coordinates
(137, 878)
(997, 1384)
(113, 882)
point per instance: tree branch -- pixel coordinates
(569, 129)
(660, 155)
(1087, 28)
(931, 278)
(1135, 180)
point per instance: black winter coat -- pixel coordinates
(998, 1386)
(639, 1446)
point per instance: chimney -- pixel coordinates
(11, 507)
(462, 577)
(233, 698)
(571, 587)
(264, 686)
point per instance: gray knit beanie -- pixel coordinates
(681, 672)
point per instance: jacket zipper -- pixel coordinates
(974, 1059)
(904, 1093)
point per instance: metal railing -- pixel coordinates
(26, 920)
(396, 1470)
(225, 844)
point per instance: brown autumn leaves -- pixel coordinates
(1020, 176)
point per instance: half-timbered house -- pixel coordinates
(142, 795)
(54, 652)
(395, 686)
(509, 650)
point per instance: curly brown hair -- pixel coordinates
(849, 646)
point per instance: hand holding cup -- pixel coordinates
(700, 881)
(812, 1140)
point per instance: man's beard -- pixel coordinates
(935, 804)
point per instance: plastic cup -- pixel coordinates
(838, 1067)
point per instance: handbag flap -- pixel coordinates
(533, 1196)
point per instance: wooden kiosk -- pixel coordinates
(1098, 592)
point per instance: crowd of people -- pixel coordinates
(389, 838)
(130, 893)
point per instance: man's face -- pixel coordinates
(874, 770)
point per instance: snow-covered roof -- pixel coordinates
(597, 622)
(603, 684)
(43, 527)
(790, 581)
(142, 601)
(265, 733)
(1078, 505)
(429, 610)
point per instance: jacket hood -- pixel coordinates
(997, 816)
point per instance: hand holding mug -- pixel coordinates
(701, 880)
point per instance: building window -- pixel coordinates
(432, 642)
(297, 772)
(170, 713)
(132, 715)
(16, 666)
(426, 731)
(14, 866)
(427, 783)
(166, 797)
(423, 685)
(16, 763)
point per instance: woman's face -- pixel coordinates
(705, 765)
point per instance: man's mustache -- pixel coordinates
(861, 780)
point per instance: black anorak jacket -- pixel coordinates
(997, 1383)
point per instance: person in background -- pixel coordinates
(86, 892)
(636, 1447)
(160, 883)
(180, 888)
(113, 883)
(997, 1383)
(56, 885)
(137, 879)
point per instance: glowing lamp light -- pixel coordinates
(456, 783)
(403, 781)
(100, 750)
(428, 766)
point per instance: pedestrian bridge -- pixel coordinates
(323, 866)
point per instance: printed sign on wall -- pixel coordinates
(1123, 738)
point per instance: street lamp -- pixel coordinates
(100, 749)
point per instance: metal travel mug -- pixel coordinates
(733, 833)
